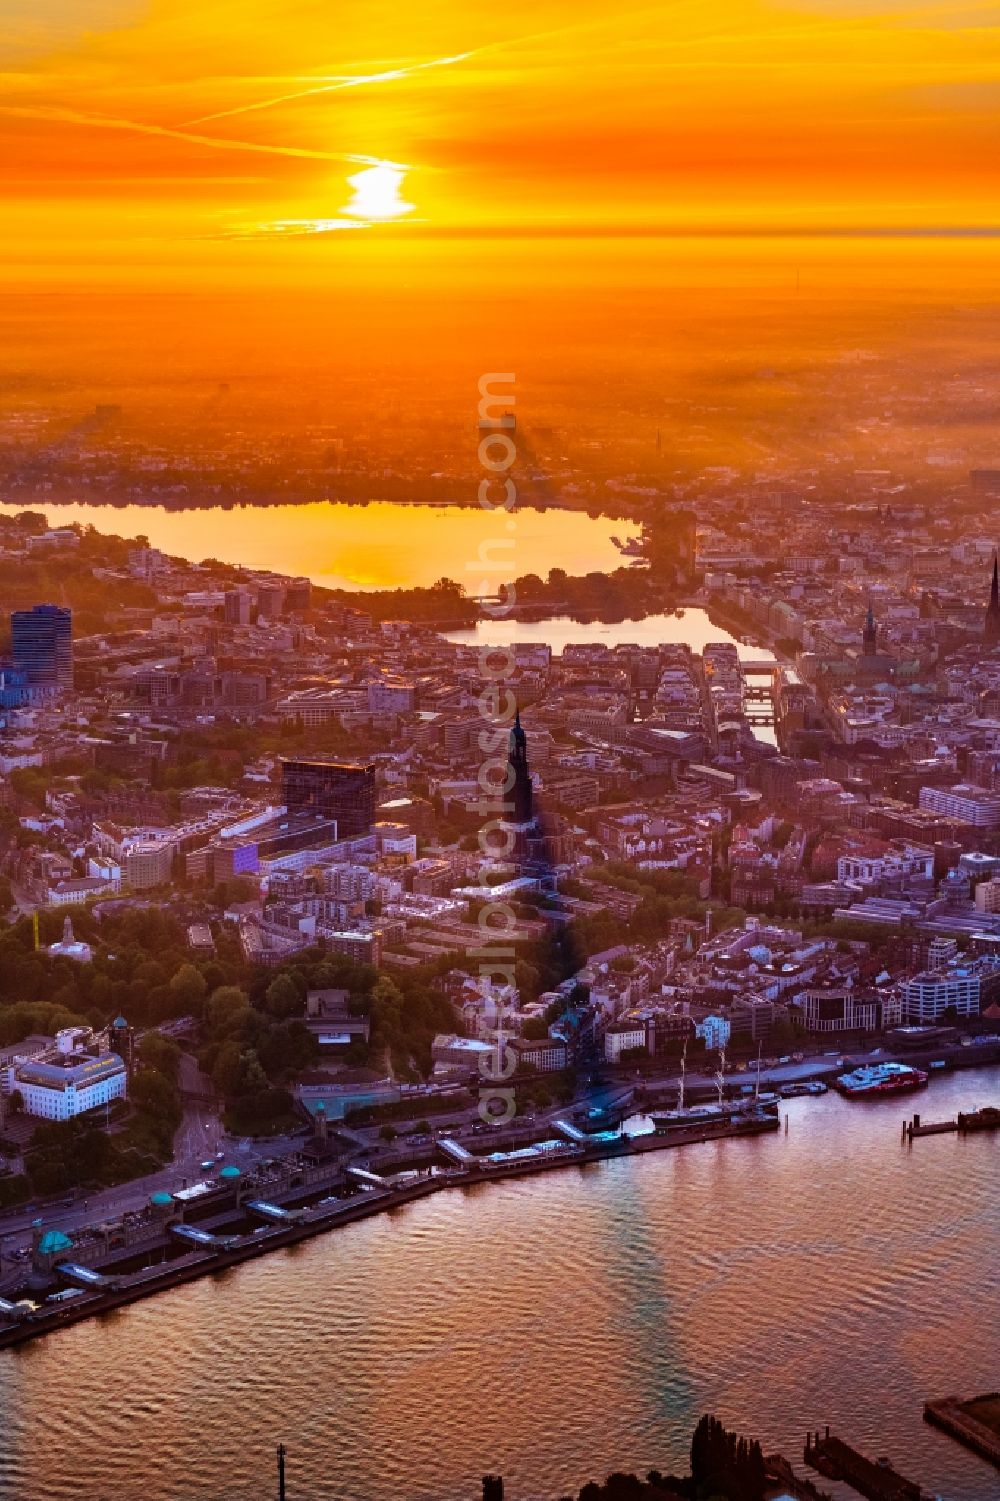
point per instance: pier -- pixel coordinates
(974, 1423)
(457, 1153)
(83, 1276)
(876, 1480)
(372, 1180)
(987, 1119)
(273, 1213)
(202, 1237)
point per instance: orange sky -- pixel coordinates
(216, 137)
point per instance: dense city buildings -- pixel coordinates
(499, 751)
(730, 847)
(743, 853)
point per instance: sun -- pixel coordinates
(376, 193)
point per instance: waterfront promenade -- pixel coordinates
(309, 1203)
(742, 1275)
(204, 1136)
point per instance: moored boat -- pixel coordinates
(750, 1111)
(880, 1079)
(697, 1117)
(802, 1089)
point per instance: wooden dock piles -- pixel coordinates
(835, 1459)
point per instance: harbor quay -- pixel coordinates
(632, 1119)
(986, 1119)
(877, 1480)
(974, 1422)
(214, 1225)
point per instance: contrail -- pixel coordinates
(351, 81)
(387, 75)
(218, 143)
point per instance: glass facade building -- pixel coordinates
(343, 792)
(42, 646)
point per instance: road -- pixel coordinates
(200, 1136)
(200, 1131)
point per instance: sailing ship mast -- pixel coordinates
(720, 1077)
(680, 1090)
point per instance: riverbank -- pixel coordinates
(325, 1217)
(525, 1325)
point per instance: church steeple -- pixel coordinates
(992, 630)
(517, 757)
(869, 638)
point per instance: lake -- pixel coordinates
(384, 545)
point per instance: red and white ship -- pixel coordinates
(880, 1078)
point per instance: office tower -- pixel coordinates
(270, 600)
(991, 633)
(13, 687)
(42, 646)
(343, 792)
(238, 606)
(298, 594)
(869, 635)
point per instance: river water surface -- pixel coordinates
(554, 1328)
(688, 626)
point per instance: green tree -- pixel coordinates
(188, 988)
(283, 998)
(226, 1007)
(153, 1092)
(526, 978)
(160, 1054)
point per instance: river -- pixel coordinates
(383, 545)
(555, 1328)
(689, 625)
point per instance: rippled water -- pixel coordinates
(555, 1328)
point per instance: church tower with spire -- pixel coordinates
(869, 638)
(991, 633)
(517, 759)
